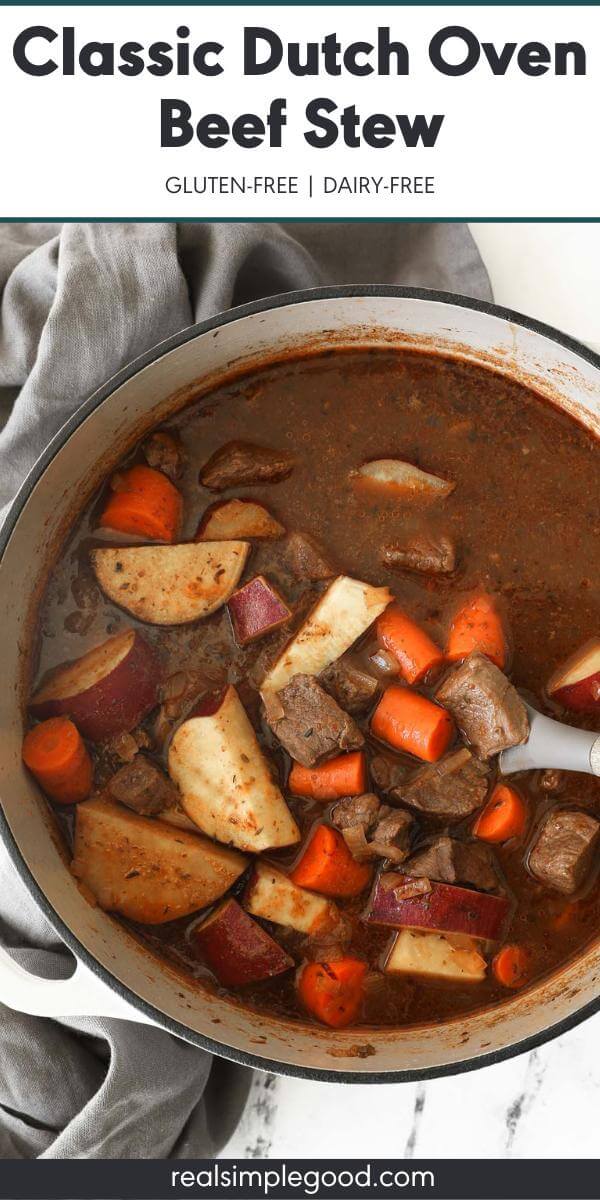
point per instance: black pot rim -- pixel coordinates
(62, 929)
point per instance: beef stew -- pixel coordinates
(266, 740)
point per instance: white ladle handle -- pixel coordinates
(82, 995)
(551, 744)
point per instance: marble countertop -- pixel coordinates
(543, 1104)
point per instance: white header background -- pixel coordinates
(511, 146)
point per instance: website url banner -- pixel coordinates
(238, 1179)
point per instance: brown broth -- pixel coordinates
(524, 514)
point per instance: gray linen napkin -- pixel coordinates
(78, 302)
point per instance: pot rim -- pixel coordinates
(97, 398)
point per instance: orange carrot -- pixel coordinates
(511, 966)
(411, 722)
(332, 992)
(478, 626)
(503, 817)
(327, 866)
(345, 775)
(410, 645)
(55, 754)
(144, 502)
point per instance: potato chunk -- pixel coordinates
(146, 870)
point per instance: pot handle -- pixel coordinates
(82, 995)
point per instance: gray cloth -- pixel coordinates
(78, 302)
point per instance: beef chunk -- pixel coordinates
(353, 688)
(387, 774)
(449, 861)
(373, 830)
(309, 723)
(143, 787)
(239, 463)
(486, 707)
(564, 849)
(306, 558)
(393, 829)
(452, 788)
(424, 552)
(163, 452)
(355, 811)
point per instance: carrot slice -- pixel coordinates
(478, 626)
(55, 753)
(411, 722)
(333, 992)
(146, 503)
(345, 775)
(327, 866)
(411, 646)
(503, 817)
(511, 966)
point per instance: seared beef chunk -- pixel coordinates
(449, 861)
(355, 811)
(387, 774)
(564, 849)
(306, 558)
(373, 830)
(393, 829)
(125, 746)
(143, 787)
(452, 788)
(309, 723)
(162, 451)
(353, 688)
(240, 463)
(425, 552)
(486, 707)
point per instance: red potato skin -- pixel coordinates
(117, 702)
(256, 609)
(583, 695)
(237, 949)
(446, 909)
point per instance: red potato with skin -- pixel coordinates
(146, 870)
(342, 614)
(170, 585)
(446, 908)
(256, 609)
(273, 896)
(403, 478)
(226, 784)
(230, 519)
(106, 692)
(576, 684)
(237, 949)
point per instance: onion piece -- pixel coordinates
(363, 850)
(403, 477)
(404, 887)
(356, 841)
(384, 850)
(385, 662)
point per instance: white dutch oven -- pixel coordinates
(115, 976)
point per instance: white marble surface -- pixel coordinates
(545, 1104)
(540, 1105)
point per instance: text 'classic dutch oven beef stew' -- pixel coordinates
(279, 658)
